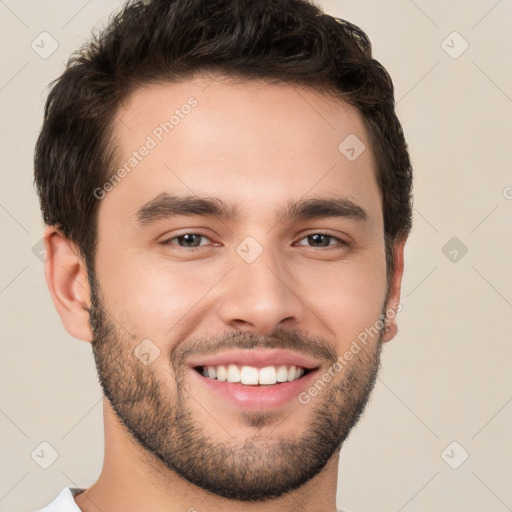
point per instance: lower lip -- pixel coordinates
(257, 398)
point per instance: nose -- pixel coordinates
(260, 296)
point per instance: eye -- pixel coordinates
(322, 240)
(187, 240)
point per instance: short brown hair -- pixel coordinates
(283, 41)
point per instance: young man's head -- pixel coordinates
(227, 191)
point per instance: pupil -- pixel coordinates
(315, 238)
(189, 240)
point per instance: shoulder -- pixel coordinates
(64, 502)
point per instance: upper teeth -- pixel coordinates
(252, 375)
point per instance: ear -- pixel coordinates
(393, 303)
(66, 276)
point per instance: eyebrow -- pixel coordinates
(166, 205)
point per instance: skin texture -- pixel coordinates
(171, 444)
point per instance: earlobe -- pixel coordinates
(66, 276)
(392, 306)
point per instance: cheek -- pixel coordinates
(153, 296)
(347, 298)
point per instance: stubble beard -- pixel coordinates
(254, 469)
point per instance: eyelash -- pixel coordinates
(339, 240)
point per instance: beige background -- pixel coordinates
(445, 378)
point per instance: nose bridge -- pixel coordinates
(266, 278)
(257, 293)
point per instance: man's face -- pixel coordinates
(261, 288)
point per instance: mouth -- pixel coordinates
(255, 380)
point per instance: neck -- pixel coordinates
(133, 479)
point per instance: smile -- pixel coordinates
(251, 375)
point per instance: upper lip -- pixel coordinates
(258, 358)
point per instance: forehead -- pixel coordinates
(250, 143)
